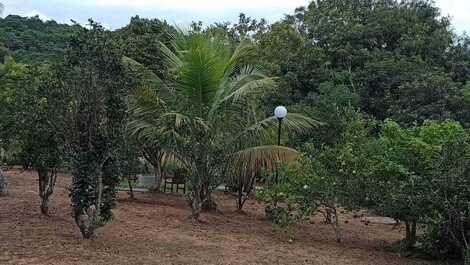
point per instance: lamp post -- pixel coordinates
(280, 112)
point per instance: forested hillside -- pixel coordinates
(31, 40)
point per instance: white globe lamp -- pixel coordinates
(280, 112)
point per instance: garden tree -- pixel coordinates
(140, 40)
(96, 108)
(421, 173)
(40, 118)
(300, 65)
(12, 76)
(213, 113)
(327, 178)
(448, 231)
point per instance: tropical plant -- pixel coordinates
(210, 114)
(155, 144)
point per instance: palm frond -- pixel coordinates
(143, 74)
(255, 158)
(293, 123)
(247, 82)
(243, 50)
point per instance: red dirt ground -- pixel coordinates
(156, 230)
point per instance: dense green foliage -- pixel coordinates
(32, 41)
(400, 58)
(389, 80)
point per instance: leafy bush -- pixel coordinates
(418, 175)
(423, 176)
(282, 214)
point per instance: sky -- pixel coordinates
(116, 13)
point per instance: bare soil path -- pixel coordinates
(155, 230)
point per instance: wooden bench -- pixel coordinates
(178, 178)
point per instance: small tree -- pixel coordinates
(421, 176)
(446, 188)
(328, 178)
(40, 121)
(32, 120)
(96, 111)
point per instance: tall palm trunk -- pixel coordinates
(208, 204)
(195, 200)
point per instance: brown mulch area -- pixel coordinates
(155, 229)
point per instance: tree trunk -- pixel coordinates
(410, 236)
(47, 180)
(45, 205)
(240, 200)
(131, 190)
(88, 225)
(90, 220)
(244, 192)
(466, 257)
(335, 224)
(328, 214)
(158, 177)
(208, 204)
(196, 204)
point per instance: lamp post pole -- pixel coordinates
(278, 144)
(280, 112)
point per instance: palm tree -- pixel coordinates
(209, 114)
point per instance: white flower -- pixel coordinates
(306, 187)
